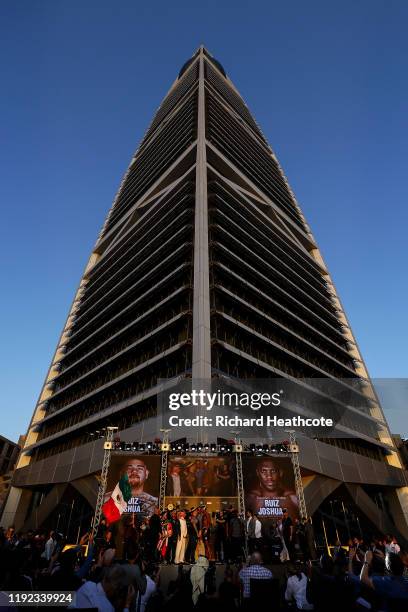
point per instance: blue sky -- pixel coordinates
(325, 80)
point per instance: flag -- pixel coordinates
(117, 503)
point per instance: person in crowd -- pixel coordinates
(106, 557)
(288, 533)
(330, 585)
(220, 536)
(255, 569)
(182, 538)
(173, 536)
(310, 550)
(192, 532)
(391, 545)
(392, 588)
(152, 575)
(228, 592)
(154, 532)
(114, 593)
(165, 535)
(197, 577)
(296, 587)
(250, 530)
(237, 536)
(49, 546)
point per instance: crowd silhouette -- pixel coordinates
(223, 563)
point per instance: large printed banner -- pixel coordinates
(192, 481)
(143, 475)
(269, 486)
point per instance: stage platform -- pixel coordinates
(168, 573)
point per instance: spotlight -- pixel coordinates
(123, 446)
(252, 448)
(265, 448)
(206, 447)
(135, 446)
(193, 448)
(213, 448)
(142, 446)
(199, 447)
(149, 445)
(128, 446)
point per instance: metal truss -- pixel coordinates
(107, 449)
(294, 453)
(165, 448)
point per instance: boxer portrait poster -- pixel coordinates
(133, 486)
(269, 485)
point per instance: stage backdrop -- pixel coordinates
(192, 481)
(269, 486)
(144, 478)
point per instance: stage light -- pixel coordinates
(229, 448)
(259, 447)
(128, 446)
(193, 448)
(199, 447)
(117, 443)
(142, 446)
(179, 447)
(135, 446)
(123, 446)
(265, 447)
(206, 447)
(213, 448)
(186, 447)
(252, 448)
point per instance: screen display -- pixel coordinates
(269, 486)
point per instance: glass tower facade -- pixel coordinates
(205, 266)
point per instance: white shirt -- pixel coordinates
(150, 588)
(176, 485)
(258, 529)
(296, 589)
(183, 528)
(49, 548)
(392, 547)
(92, 595)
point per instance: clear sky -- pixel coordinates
(327, 82)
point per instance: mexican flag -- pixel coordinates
(116, 504)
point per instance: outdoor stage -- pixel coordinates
(168, 573)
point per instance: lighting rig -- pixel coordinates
(181, 447)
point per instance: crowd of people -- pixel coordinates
(363, 575)
(181, 536)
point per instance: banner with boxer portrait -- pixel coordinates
(269, 485)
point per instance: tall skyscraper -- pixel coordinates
(205, 265)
